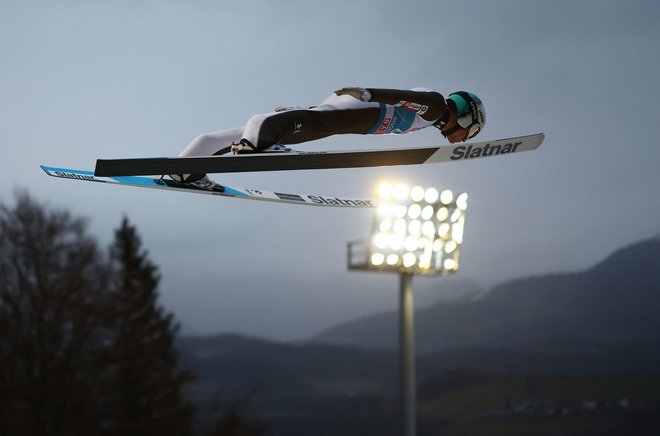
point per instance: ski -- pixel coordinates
(302, 160)
(220, 190)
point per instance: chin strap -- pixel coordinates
(448, 132)
(440, 124)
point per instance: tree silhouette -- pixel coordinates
(53, 291)
(85, 348)
(147, 381)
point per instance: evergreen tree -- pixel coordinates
(146, 379)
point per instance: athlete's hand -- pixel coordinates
(357, 93)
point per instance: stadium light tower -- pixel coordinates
(415, 232)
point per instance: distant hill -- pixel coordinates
(596, 322)
(616, 300)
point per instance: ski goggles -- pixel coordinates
(473, 129)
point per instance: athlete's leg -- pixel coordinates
(317, 125)
(211, 143)
(208, 144)
(336, 115)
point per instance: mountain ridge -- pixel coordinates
(616, 299)
(347, 388)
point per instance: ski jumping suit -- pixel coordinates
(389, 112)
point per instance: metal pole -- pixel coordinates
(407, 345)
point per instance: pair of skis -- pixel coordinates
(131, 172)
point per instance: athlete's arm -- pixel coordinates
(431, 105)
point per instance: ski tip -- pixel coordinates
(49, 170)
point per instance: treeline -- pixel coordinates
(85, 347)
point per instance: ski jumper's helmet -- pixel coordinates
(470, 112)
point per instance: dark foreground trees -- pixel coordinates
(53, 298)
(85, 349)
(148, 385)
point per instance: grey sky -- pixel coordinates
(88, 79)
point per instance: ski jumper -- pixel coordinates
(389, 112)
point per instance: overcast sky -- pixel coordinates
(87, 79)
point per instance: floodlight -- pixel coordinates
(400, 226)
(416, 232)
(427, 212)
(443, 230)
(415, 227)
(446, 197)
(385, 191)
(392, 259)
(424, 261)
(411, 244)
(377, 259)
(417, 223)
(409, 260)
(396, 242)
(385, 209)
(461, 201)
(428, 229)
(399, 210)
(450, 264)
(385, 225)
(431, 195)
(401, 192)
(457, 232)
(414, 211)
(381, 240)
(417, 194)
